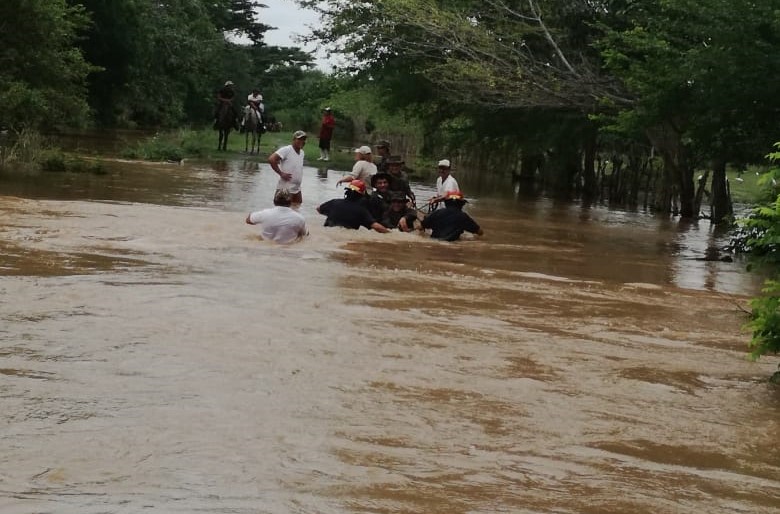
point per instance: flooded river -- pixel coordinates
(156, 356)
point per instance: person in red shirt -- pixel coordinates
(326, 134)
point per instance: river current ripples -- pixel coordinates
(157, 356)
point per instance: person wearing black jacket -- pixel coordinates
(449, 223)
(350, 211)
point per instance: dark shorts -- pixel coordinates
(325, 144)
(295, 197)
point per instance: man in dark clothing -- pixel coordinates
(379, 201)
(225, 96)
(350, 212)
(383, 151)
(399, 215)
(449, 223)
(398, 179)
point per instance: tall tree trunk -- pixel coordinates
(700, 190)
(530, 163)
(687, 191)
(668, 140)
(721, 200)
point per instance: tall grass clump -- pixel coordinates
(23, 151)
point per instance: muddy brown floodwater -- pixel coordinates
(156, 356)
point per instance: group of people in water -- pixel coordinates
(377, 196)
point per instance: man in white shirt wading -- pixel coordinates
(287, 162)
(280, 224)
(446, 183)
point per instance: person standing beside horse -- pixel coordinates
(326, 133)
(287, 162)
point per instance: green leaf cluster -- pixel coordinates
(42, 71)
(763, 242)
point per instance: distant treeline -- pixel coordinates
(622, 101)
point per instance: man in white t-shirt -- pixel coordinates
(363, 169)
(280, 224)
(446, 183)
(287, 162)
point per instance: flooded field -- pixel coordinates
(156, 355)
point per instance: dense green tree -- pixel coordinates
(163, 61)
(42, 72)
(487, 64)
(701, 74)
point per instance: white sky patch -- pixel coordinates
(291, 22)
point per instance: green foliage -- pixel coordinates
(57, 161)
(765, 322)
(42, 73)
(763, 242)
(703, 68)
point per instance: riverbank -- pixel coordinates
(201, 144)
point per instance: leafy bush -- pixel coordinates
(765, 322)
(762, 240)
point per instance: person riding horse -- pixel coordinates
(225, 114)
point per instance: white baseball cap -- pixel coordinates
(363, 150)
(444, 163)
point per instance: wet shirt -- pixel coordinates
(280, 224)
(292, 162)
(378, 204)
(346, 213)
(226, 93)
(447, 185)
(449, 223)
(392, 218)
(327, 126)
(383, 166)
(363, 170)
(400, 183)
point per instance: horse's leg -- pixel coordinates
(224, 143)
(219, 143)
(246, 140)
(259, 135)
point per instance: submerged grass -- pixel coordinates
(746, 187)
(29, 151)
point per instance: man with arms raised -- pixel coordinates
(280, 224)
(287, 162)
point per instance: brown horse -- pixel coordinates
(225, 121)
